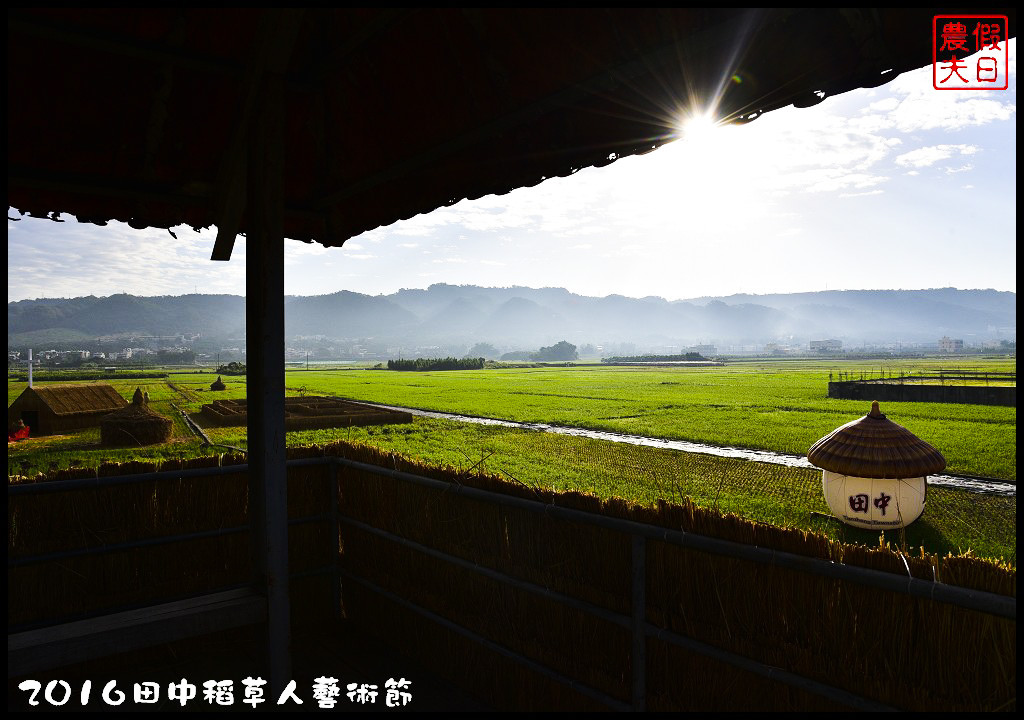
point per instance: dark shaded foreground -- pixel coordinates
(337, 650)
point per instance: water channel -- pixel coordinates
(982, 486)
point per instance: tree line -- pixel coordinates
(691, 356)
(448, 363)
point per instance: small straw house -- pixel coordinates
(218, 385)
(136, 424)
(874, 471)
(61, 408)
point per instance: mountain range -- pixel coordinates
(520, 317)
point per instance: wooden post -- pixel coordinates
(264, 307)
(638, 656)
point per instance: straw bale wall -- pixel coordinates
(149, 430)
(896, 649)
(908, 652)
(91, 518)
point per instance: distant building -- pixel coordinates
(950, 345)
(704, 350)
(826, 346)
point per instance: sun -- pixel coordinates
(697, 126)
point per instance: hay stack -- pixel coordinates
(874, 471)
(218, 384)
(136, 425)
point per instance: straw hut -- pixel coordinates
(63, 408)
(218, 384)
(136, 424)
(874, 471)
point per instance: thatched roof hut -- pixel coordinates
(62, 408)
(874, 471)
(136, 424)
(218, 384)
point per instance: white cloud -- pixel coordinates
(917, 106)
(861, 194)
(923, 157)
(886, 105)
(451, 260)
(48, 259)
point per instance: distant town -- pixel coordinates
(181, 351)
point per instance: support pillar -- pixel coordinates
(264, 308)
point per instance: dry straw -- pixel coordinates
(135, 425)
(905, 651)
(895, 649)
(875, 447)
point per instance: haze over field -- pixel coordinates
(522, 318)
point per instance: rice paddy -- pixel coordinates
(766, 405)
(779, 406)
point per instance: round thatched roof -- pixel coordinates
(218, 384)
(136, 424)
(876, 447)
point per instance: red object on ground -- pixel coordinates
(19, 434)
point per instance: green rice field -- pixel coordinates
(768, 405)
(779, 406)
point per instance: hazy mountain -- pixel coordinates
(530, 323)
(871, 315)
(525, 318)
(117, 314)
(347, 315)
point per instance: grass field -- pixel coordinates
(775, 406)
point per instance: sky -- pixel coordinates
(900, 186)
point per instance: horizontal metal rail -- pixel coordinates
(147, 542)
(113, 610)
(594, 610)
(54, 486)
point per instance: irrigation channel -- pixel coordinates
(979, 485)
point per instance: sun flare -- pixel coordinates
(697, 126)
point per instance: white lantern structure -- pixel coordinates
(874, 472)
